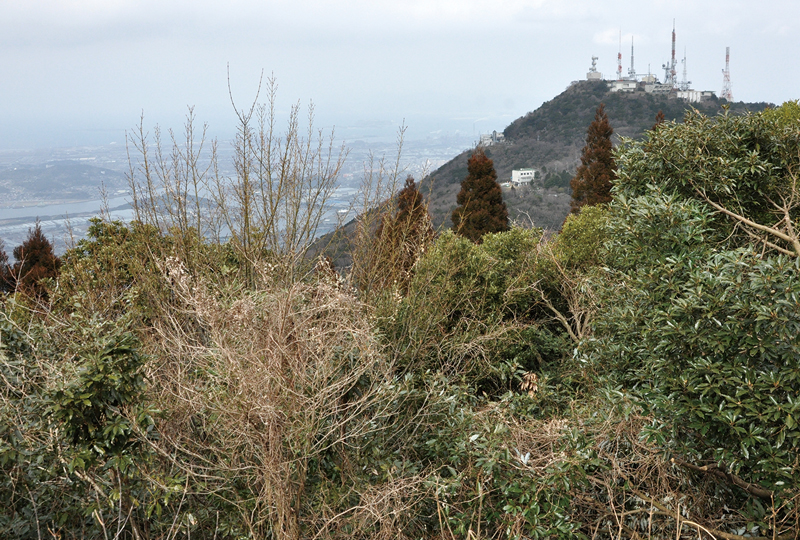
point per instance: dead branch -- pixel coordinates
(786, 233)
(752, 489)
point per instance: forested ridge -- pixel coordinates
(550, 139)
(197, 373)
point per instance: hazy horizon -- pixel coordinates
(82, 72)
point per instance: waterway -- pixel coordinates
(66, 223)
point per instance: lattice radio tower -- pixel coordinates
(726, 77)
(669, 68)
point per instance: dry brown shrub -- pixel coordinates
(632, 489)
(275, 378)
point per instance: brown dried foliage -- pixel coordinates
(268, 382)
(481, 209)
(592, 182)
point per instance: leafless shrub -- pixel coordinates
(632, 489)
(270, 209)
(283, 376)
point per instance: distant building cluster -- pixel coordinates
(650, 84)
(492, 138)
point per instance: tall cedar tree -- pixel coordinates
(35, 260)
(402, 237)
(481, 209)
(592, 182)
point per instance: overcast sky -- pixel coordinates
(76, 72)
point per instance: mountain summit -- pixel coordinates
(549, 140)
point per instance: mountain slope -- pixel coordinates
(550, 140)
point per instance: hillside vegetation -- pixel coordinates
(635, 375)
(550, 139)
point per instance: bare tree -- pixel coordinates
(265, 396)
(272, 207)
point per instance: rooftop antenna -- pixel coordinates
(619, 58)
(726, 77)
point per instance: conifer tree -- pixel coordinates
(403, 236)
(412, 220)
(480, 208)
(35, 260)
(592, 182)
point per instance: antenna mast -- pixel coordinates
(669, 68)
(619, 58)
(632, 71)
(672, 73)
(726, 77)
(685, 84)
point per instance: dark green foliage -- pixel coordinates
(480, 482)
(35, 260)
(481, 209)
(471, 311)
(69, 458)
(557, 180)
(700, 321)
(113, 271)
(580, 245)
(592, 182)
(28, 466)
(743, 163)
(91, 407)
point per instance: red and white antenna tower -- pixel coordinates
(726, 77)
(619, 58)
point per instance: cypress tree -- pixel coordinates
(480, 208)
(35, 260)
(591, 184)
(402, 236)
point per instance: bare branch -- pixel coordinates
(752, 489)
(790, 236)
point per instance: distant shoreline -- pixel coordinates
(22, 220)
(36, 203)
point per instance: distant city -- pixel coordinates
(64, 187)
